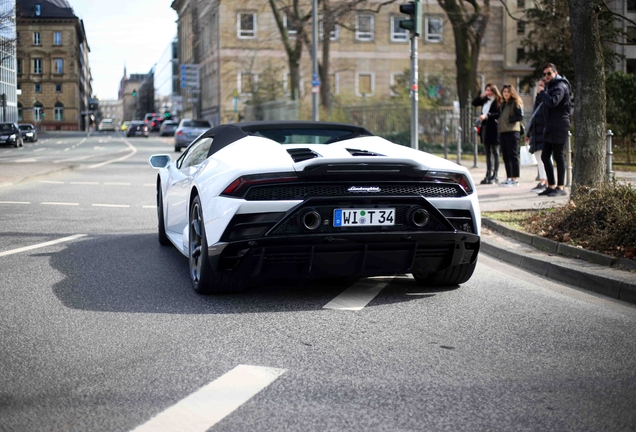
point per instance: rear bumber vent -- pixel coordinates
(302, 154)
(356, 152)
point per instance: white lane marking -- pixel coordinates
(60, 142)
(41, 245)
(51, 182)
(25, 160)
(39, 150)
(212, 403)
(116, 184)
(88, 156)
(84, 183)
(149, 184)
(6, 184)
(14, 202)
(150, 206)
(358, 295)
(59, 203)
(111, 205)
(133, 151)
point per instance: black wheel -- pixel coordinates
(204, 279)
(163, 238)
(451, 276)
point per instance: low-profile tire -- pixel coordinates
(450, 276)
(161, 225)
(204, 279)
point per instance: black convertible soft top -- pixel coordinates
(279, 131)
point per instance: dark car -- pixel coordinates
(28, 132)
(137, 128)
(155, 123)
(168, 127)
(10, 135)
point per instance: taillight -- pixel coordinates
(449, 177)
(153, 124)
(180, 133)
(242, 183)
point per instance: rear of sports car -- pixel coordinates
(348, 217)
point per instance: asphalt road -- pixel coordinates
(102, 331)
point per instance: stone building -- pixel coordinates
(8, 77)
(111, 109)
(52, 65)
(129, 87)
(240, 45)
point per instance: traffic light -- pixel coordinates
(167, 114)
(134, 93)
(414, 10)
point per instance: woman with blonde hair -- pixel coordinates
(510, 132)
(490, 102)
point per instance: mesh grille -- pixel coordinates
(304, 191)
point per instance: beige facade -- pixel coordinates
(515, 30)
(53, 73)
(112, 109)
(240, 43)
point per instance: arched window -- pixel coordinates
(19, 112)
(58, 111)
(38, 111)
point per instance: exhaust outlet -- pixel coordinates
(310, 220)
(418, 217)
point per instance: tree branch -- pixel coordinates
(505, 5)
(616, 14)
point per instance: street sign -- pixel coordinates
(177, 103)
(191, 100)
(190, 75)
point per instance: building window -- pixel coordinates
(521, 27)
(19, 112)
(521, 4)
(38, 111)
(37, 9)
(287, 84)
(364, 84)
(58, 111)
(398, 82)
(246, 83)
(37, 87)
(246, 25)
(57, 38)
(333, 33)
(18, 66)
(37, 66)
(364, 27)
(521, 52)
(523, 90)
(58, 66)
(434, 29)
(36, 38)
(398, 34)
(631, 5)
(58, 88)
(290, 26)
(630, 35)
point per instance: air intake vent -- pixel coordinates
(302, 154)
(356, 152)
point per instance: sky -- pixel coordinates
(133, 33)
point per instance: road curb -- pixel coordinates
(619, 286)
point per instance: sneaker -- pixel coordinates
(484, 181)
(514, 183)
(546, 192)
(505, 183)
(557, 192)
(539, 188)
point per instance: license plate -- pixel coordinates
(363, 217)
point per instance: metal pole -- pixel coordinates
(608, 171)
(446, 142)
(459, 145)
(475, 148)
(414, 93)
(568, 152)
(314, 59)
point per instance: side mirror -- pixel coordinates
(160, 161)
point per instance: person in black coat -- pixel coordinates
(555, 95)
(534, 137)
(490, 103)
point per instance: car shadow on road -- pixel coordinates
(134, 274)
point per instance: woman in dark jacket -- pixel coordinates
(490, 103)
(534, 136)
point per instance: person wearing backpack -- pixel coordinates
(555, 95)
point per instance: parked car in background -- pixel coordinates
(187, 131)
(155, 123)
(10, 135)
(28, 132)
(137, 128)
(168, 127)
(124, 126)
(106, 125)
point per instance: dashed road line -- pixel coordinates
(84, 183)
(358, 295)
(111, 205)
(150, 206)
(41, 245)
(15, 202)
(59, 203)
(116, 184)
(28, 160)
(51, 182)
(132, 153)
(212, 403)
(149, 184)
(5, 184)
(39, 150)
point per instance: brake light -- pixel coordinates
(180, 133)
(152, 124)
(449, 177)
(242, 183)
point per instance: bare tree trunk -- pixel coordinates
(589, 91)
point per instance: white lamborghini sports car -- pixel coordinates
(302, 199)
